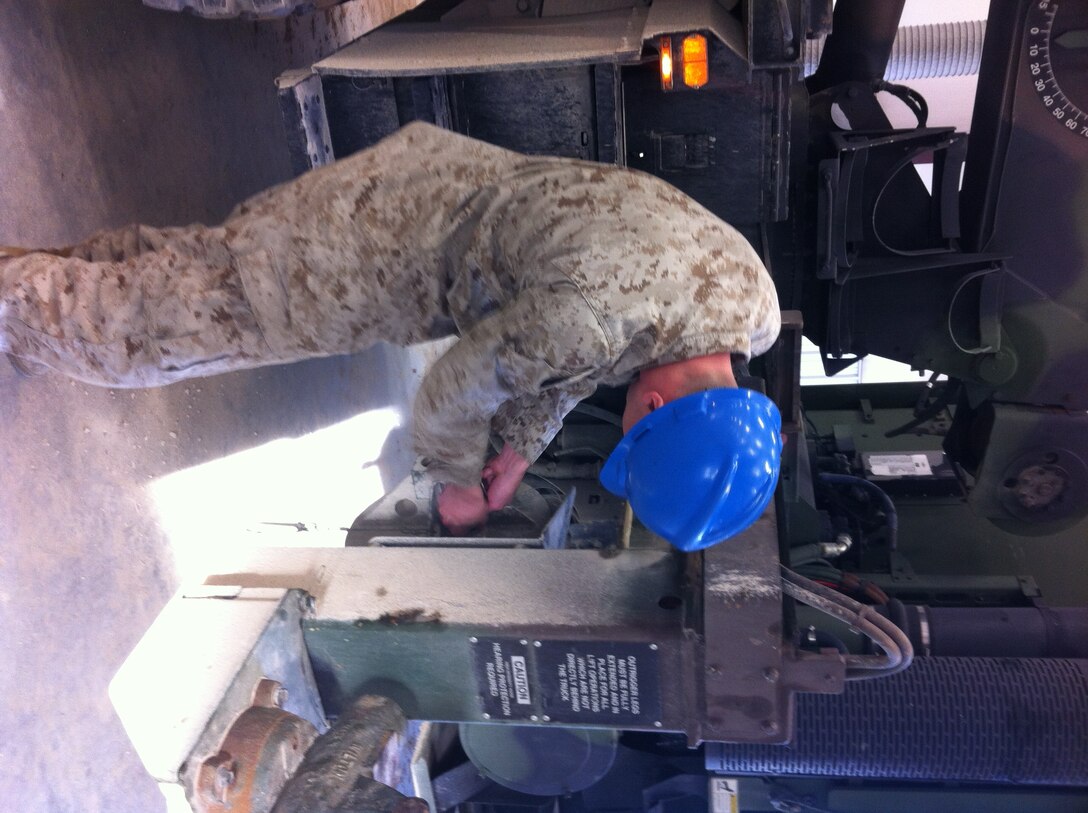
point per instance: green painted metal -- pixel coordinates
(942, 536)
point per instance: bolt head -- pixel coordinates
(769, 727)
(406, 508)
(224, 777)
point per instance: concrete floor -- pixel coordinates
(110, 113)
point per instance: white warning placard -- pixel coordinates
(900, 465)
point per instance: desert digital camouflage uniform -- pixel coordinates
(558, 275)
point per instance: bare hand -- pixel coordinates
(503, 474)
(462, 508)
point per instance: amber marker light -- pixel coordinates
(665, 44)
(696, 65)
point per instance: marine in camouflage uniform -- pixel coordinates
(558, 275)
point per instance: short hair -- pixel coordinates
(700, 380)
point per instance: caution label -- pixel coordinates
(502, 672)
(521, 680)
(590, 682)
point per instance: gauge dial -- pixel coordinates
(1057, 60)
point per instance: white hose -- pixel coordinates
(898, 651)
(922, 51)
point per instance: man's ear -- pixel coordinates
(653, 400)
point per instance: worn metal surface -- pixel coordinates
(305, 126)
(608, 110)
(541, 111)
(337, 774)
(576, 588)
(207, 652)
(263, 748)
(1032, 474)
(750, 671)
(775, 32)
(405, 622)
(399, 621)
(476, 46)
(742, 646)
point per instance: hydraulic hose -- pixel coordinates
(875, 491)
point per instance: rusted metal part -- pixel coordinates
(337, 774)
(302, 105)
(742, 625)
(260, 752)
(269, 693)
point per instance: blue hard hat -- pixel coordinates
(701, 468)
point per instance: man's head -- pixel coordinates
(657, 386)
(701, 467)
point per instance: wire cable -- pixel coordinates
(898, 652)
(977, 351)
(914, 100)
(858, 667)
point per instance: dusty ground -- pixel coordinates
(110, 113)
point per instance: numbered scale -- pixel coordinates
(1057, 49)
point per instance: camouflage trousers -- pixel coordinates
(133, 307)
(142, 306)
